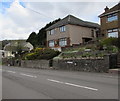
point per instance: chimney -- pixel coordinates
(106, 9)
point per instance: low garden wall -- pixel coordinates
(85, 64)
(42, 64)
(99, 64)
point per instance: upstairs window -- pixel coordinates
(113, 33)
(51, 32)
(112, 17)
(62, 29)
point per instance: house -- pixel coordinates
(71, 31)
(110, 21)
(15, 45)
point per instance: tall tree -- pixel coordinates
(32, 39)
(39, 39)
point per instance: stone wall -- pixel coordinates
(42, 64)
(90, 65)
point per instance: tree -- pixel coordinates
(32, 39)
(4, 42)
(39, 39)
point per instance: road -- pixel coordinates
(25, 83)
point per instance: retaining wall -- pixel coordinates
(89, 65)
(42, 64)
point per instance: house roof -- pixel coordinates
(74, 21)
(13, 45)
(114, 9)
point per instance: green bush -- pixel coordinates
(42, 53)
(112, 49)
(110, 41)
(31, 56)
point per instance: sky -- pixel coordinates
(19, 18)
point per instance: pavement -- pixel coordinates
(25, 83)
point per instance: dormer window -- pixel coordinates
(62, 29)
(112, 17)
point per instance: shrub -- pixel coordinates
(110, 41)
(42, 53)
(112, 49)
(31, 56)
(38, 49)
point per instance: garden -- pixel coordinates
(91, 51)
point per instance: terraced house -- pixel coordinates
(110, 21)
(71, 31)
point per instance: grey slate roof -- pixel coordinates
(73, 21)
(14, 43)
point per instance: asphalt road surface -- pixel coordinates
(25, 83)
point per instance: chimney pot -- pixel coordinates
(106, 9)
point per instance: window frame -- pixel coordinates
(49, 42)
(92, 33)
(112, 32)
(62, 28)
(51, 32)
(63, 42)
(112, 17)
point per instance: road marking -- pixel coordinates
(81, 86)
(55, 81)
(28, 75)
(110, 76)
(71, 84)
(10, 71)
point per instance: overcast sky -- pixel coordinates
(18, 19)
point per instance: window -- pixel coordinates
(63, 42)
(62, 29)
(113, 33)
(112, 17)
(51, 43)
(51, 32)
(92, 33)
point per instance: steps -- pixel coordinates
(117, 68)
(114, 71)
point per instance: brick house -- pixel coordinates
(71, 31)
(110, 21)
